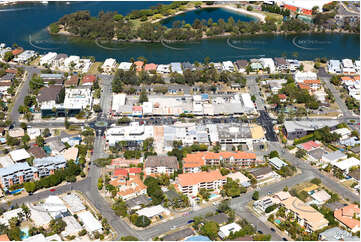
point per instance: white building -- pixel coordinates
(74, 203)
(150, 212)
(33, 132)
(300, 77)
(72, 226)
(91, 224)
(277, 163)
(55, 207)
(226, 230)
(40, 217)
(25, 56)
(5, 217)
(227, 66)
(348, 67)
(72, 60)
(345, 165)
(345, 133)
(133, 132)
(78, 98)
(268, 63)
(48, 58)
(19, 155)
(334, 66)
(147, 108)
(125, 66)
(320, 197)
(109, 65)
(163, 69)
(118, 101)
(264, 203)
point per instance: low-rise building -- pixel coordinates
(348, 216)
(264, 203)
(309, 145)
(153, 211)
(77, 99)
(277, 163)
(227, 66)
(262, 173)
(348, 66)
(17, 173)
(72, 227)
(19, 155)
(347, 164)
(125, 66)
(90, 223)
(191, 183)
(333, 157)
(305, 215)
(226, 230)
(46, 166)
(298, 129)
(161, 165)
(48, 58)
(281, 64)
(343, 132)
(320, 197)
(55, 207)
(109, 65)
(337, 234)
(334, 66)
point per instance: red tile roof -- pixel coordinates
(150, 67)
(89, 79)
(312, 82)
(289, 7)
(310, 145)
(189, 179)
(345, 215)
(17, 51)
(282, 96)
(137, 108)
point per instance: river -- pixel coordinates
(25, 25)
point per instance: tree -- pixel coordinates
(30, 187)
(316, 181)
(143, 96)
(46, 132)
(232, 188)
(255, 195)
(273, 154)
(210, 229)
(142, 221)
(57, 225)
(40, 141)
(300, 153)
(129, 238)
(8, 56)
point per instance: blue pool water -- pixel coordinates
(277, 221)
(25, 233)
(198, 238)
(16, 191)
(213, 195)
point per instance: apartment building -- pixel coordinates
(161, 165)
(191, 183)
(17, 173)
(46, 166)
(305, 215)
(193, 162)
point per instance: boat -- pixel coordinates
(44, 2)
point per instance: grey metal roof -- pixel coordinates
(316, 153)
(162, 160)
(14, 168)
(308, 125)
(336, 233)
(334, 155)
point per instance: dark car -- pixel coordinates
(190, 221)
(260, 232)
(273, 230)
(284, 239)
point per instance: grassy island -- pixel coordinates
(145, 24)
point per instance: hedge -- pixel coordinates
(303, 139)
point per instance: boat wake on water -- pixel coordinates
(171, 47)
(38, 47)
(236, 47)
(108, 48)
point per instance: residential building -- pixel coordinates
(320, 197)
(77, 99)
(72, 81)
(281, 64)
(19, 155)
(305, 215)
(240, 178)
(161, 165)
(46, 166)
(227, 66)
(348, 67)
(334, 66)
(337, 234)
(348, 216)
(268, 63)
(153, 211)
(37, 151)
(17, 173)
(8, 215)
(151, 67)
(315, 155)
(25, 56)
(88, 80)
(176, 67)
(48, 97)
(264, 203)
(309, 145)
(109, 65)
(344, 133)
(277, 163)
(133, 132)
(241, 65)
(163, 69)
(129, 186)
(74, 203)
(300, 77)
(346, 165)
(333, 157)
(125, 66)
(191, 183)
(55, 207)
(137, 111)
(312, 85)
(226, 230)
(90, 223)
(48, 58)
(72, 227)
(188, 66)
(293, 64)
(262, 173)
(139, 65)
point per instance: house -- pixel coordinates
(163, 69)
(337, 234)
(71, 154)
(309, 145)
(109, 65)
(48, 58)
(37, 151)
(312, 85)
(333, 157)
(139, 65)
(48, 97)
(19, 155)
(130, 186)
(276, 84)
(293, 64)
(137, 111)
(122, 162)
(71, 62)
(347, 164)
(241, 65)
(137, 202)
(240, 178)
(88, 80)
(277, 163)
(256, 66)
(191, 183)
(153, 211)
(300, 77)
(56, 146)
(33, 133)
(268, 63)
(227, 66)
(72, 81)
(46, 166)
(315, 155)
(151, 67)
(73, 203)
(226, 230)
(25, 56)
(52, 79)
(4, 86)
(90, 223)
(8, 215)
(125, 66)
(305, 215)
(58, 62)
(72, 227)
(264, 203)
(281, 196)
(348, 217)
(17, 173)
(262, 173)
(281, 64)
(334, 66)
(55, 207)
(16, 132)
(348, 67)
(161, 165)
(282, 97)
(188, 66)
(320, 197)
(176, 67)
(4, 237)
(343, 132)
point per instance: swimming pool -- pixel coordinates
(213, 196)
(277, 221)
(198, 238)
(25, 234)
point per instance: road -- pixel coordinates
(14, 115)
(254, 90)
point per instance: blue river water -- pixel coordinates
(25, 25)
